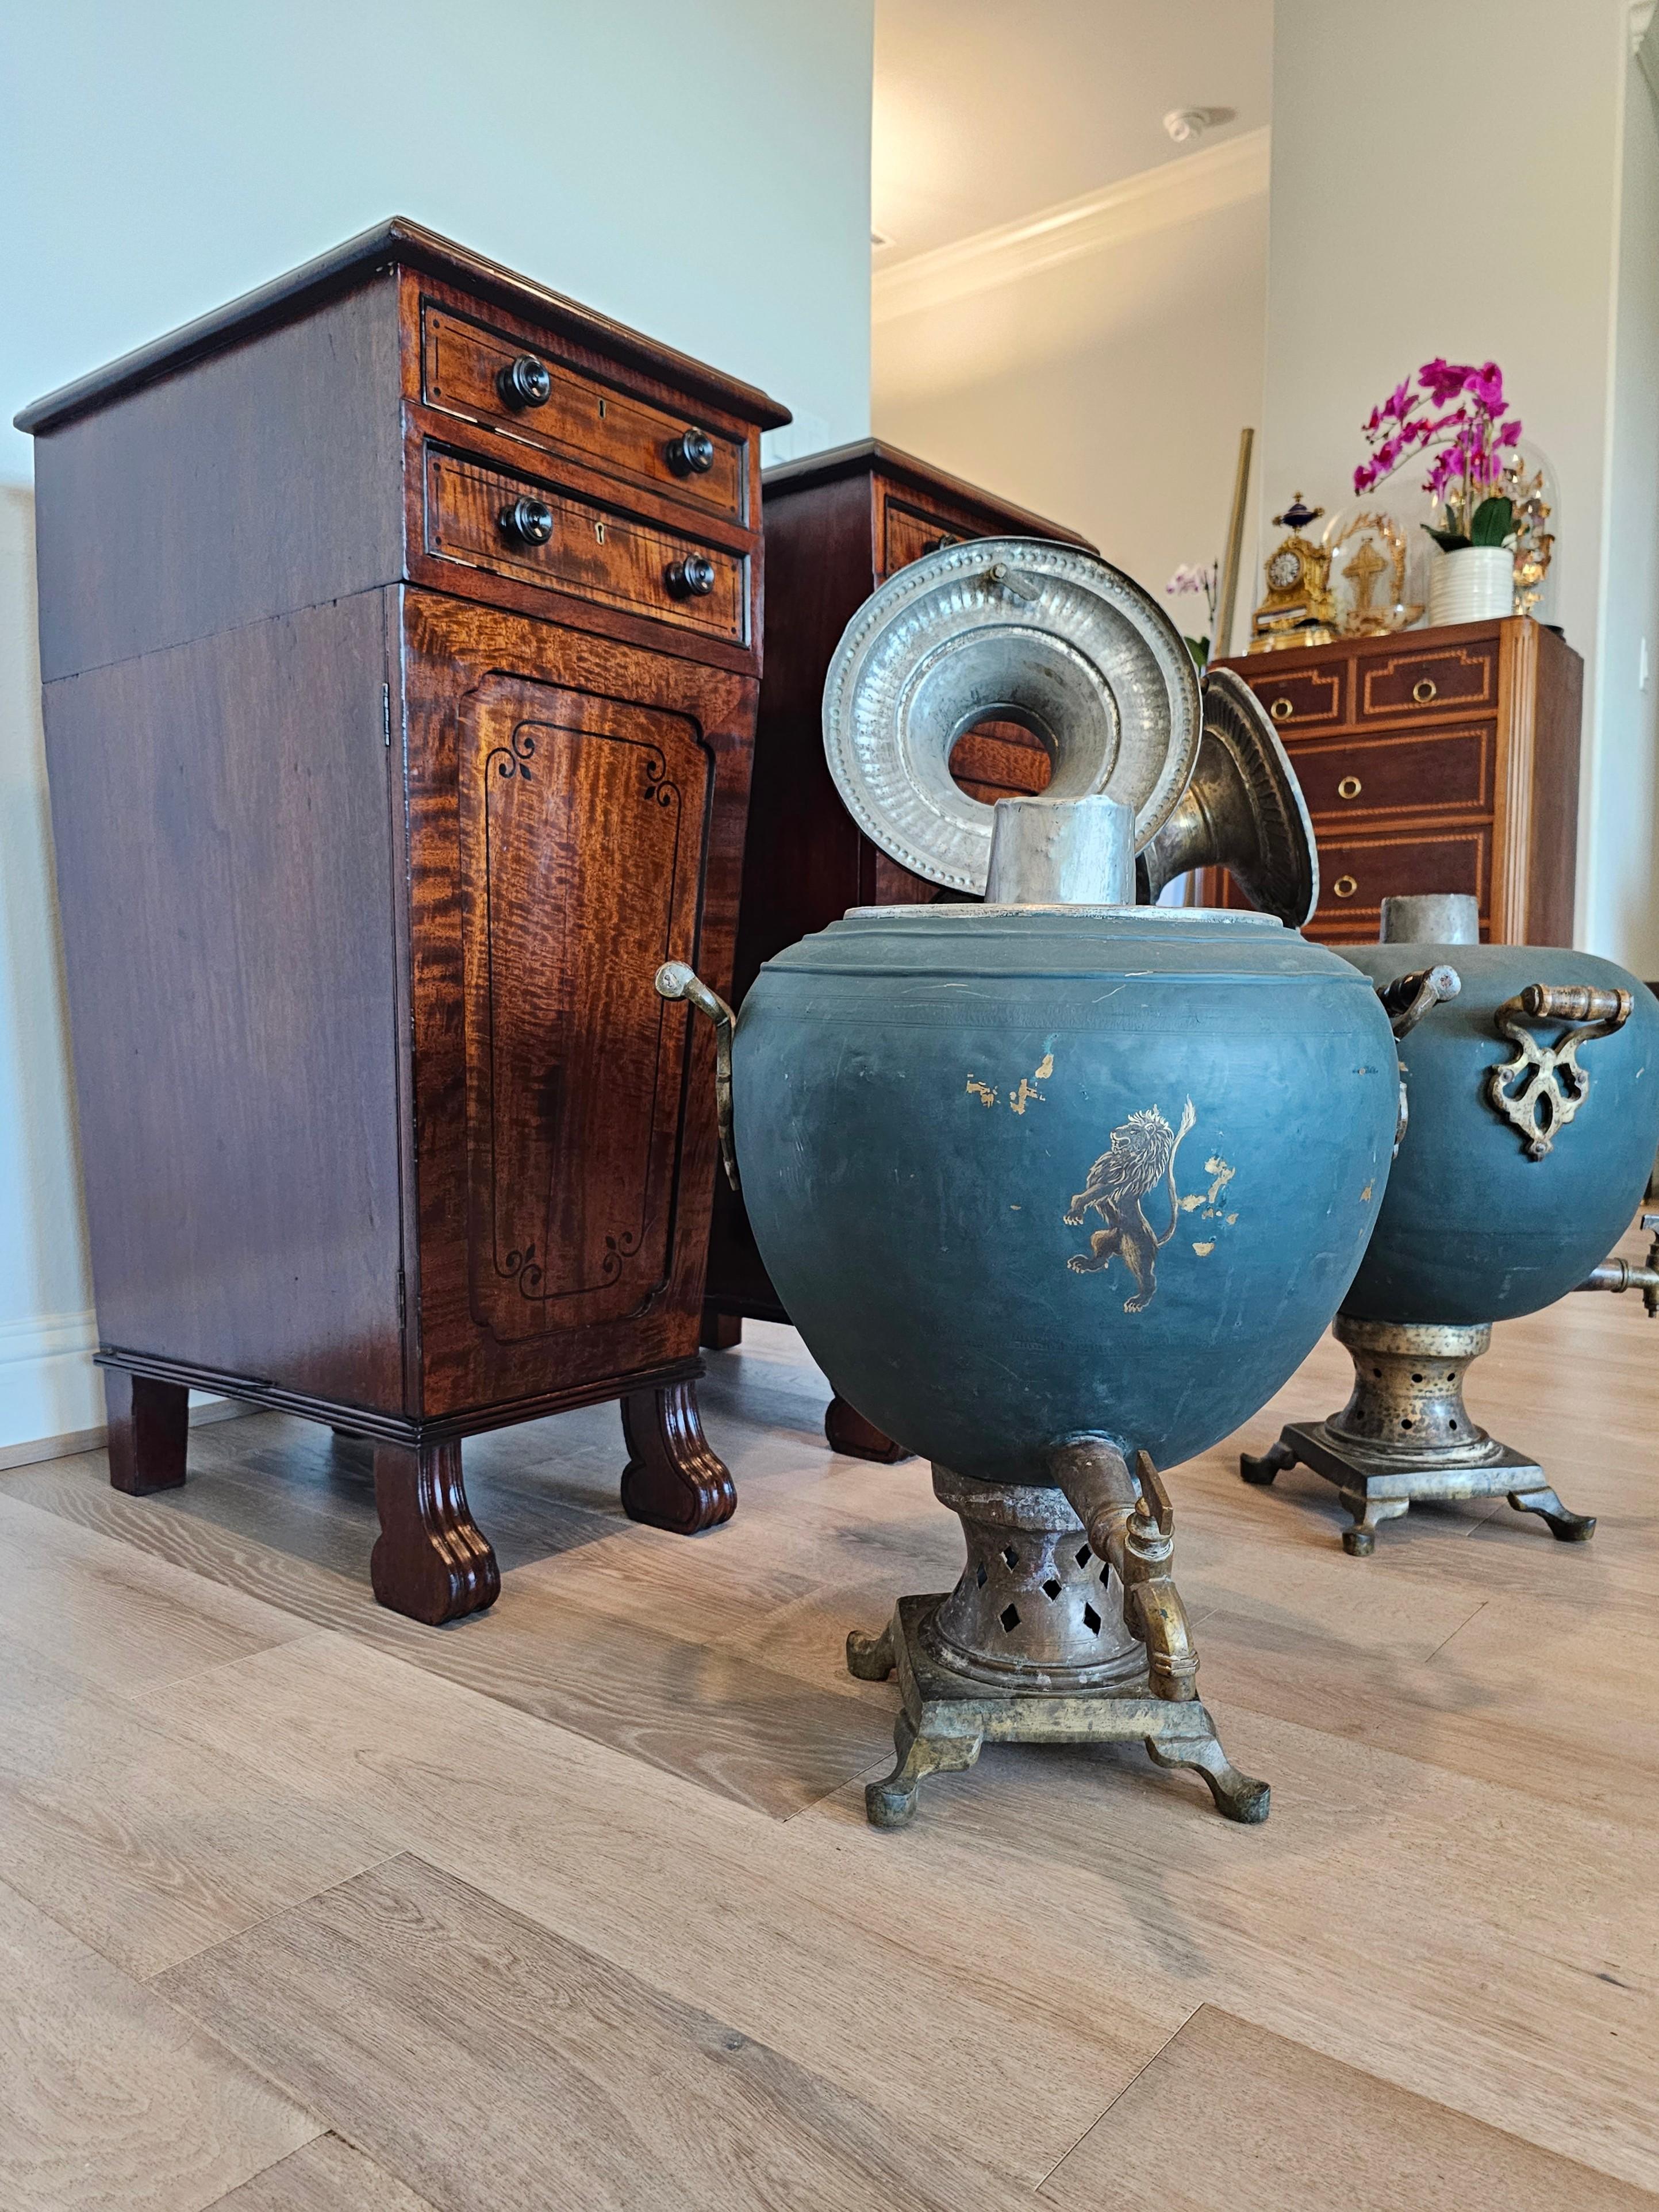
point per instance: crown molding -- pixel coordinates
(1175, 191)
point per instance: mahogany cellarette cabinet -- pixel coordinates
(837, 526)
(399, 634)
(1435, 760)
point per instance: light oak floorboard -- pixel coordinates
(495, 2064)
(326, 2175)
(817, 1938)
(1229, 2117)
(145, 1842)
(109, 2099)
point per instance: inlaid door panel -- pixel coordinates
(582, 822)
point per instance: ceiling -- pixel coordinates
(986, 111)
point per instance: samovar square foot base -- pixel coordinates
(1378, 1486)
(947, 1718)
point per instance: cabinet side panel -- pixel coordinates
(263, 479)
(1554, 869)
(221, 817)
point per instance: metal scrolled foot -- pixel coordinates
(870, 1657)
(1237, 1797)
(1566, 1528)
(893, 1803)
(1368, 1513)
(1261, 1470)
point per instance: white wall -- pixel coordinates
(1105, 390)
(1621, 795)
(699, 168)
(1451, 186)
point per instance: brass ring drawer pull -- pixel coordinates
(1424, 690)
(1349, 788)
(1343, 887)
(1281, 710)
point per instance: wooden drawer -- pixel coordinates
(462, 368)
(592, 552)
(908, 533)
(1428, 678)
(1441, 771)
(1303, 698)
(999, 760)
(1356, 875)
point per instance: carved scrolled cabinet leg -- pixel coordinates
(846, 1430)
(674, 1479)
(430, 1560)
(149, 1431)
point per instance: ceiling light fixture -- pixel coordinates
(1185, 123)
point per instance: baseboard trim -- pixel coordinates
(85, 1440)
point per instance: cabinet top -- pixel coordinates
(871, 458)
(396, 243)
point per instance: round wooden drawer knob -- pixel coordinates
(526, 522)
(692, 578)
(1424, 690)
(1281, 710)
(525, 383)
(1343, 887)
(1349, 788)
(691, 454)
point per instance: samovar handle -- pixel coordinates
(1405, 1001)
(1541, 1089)
(674, 979)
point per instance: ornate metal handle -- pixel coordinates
(525, 383)
(1424, 690)
(1282, 710)
(674, 979)
(691, 454)
(690, 577)
(526, 521)
(1349, 788)
(1541, 1089)
(1343, 887)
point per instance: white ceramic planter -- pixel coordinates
(1471, 585)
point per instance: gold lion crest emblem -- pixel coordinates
(1141, 1155)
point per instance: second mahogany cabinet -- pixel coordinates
(837, 526)
(400, 637)
(1438, 759)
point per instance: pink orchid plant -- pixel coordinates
(1458, 414)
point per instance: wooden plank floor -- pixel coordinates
(574, 1905)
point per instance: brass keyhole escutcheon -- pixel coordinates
(1424, 690)
(1281, 710)
(1343, 887)
(1349, 788)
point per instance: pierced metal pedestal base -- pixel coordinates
(948, 1717)
(1406, 1433)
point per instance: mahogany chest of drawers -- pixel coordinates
(837, 526)
(400, 644)
(1442, 760)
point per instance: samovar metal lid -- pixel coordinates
(1020, 629)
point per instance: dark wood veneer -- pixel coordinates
(371, 834)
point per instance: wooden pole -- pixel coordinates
(1227, 593)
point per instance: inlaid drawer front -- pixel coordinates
(1356, 875)
(910, 531)
(514, 527)
(1404, 774)
(1310, 698)
(1429, 678)
(469, 370)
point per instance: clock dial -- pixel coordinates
(1284, 570)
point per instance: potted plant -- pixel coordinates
(1188, 579)
(1457, 413)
